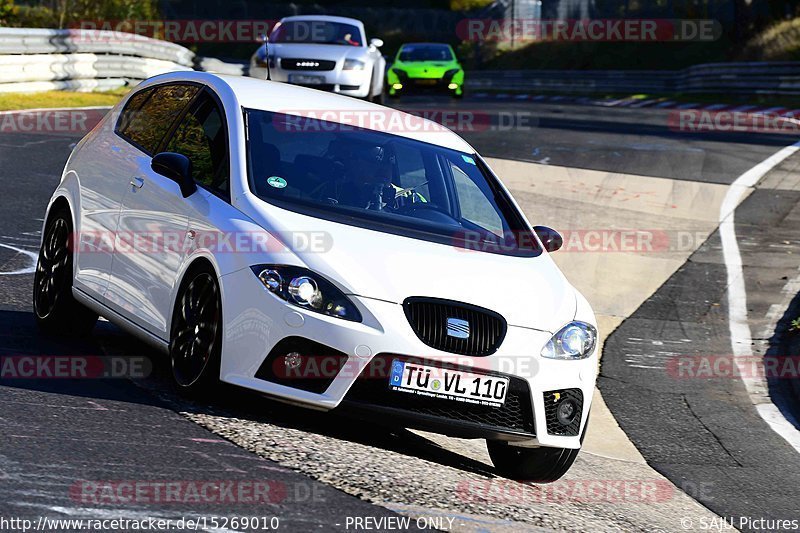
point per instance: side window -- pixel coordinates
(475, 204)
(202, 137)
(411, 168)
(150, 113)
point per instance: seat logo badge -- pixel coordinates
(457, 328)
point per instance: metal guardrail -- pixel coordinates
(46, 41)
(775, 78)
(34, 60)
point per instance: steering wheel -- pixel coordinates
(427, 211)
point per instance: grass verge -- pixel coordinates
(14, 101)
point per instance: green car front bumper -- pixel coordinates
(421, 79)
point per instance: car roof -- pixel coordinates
(425, 44)
(277, 97)
(328, 18)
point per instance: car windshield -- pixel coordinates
(382, 182)
(425, 52)
(316, 32)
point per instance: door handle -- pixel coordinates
(137, 182)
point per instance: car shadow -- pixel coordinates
(22, 338)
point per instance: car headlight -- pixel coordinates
(306, 289)
(353, 64)
(576, 340)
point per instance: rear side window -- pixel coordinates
(149, 114)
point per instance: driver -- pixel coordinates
(368, 182)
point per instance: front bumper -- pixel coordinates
(256, 322)
(347, 82)
(400, 82)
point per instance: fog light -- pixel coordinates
(566, 412)
(453, 86)
(397, 86)
(292, 360)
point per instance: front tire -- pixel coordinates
(540, 465)
(195, 346)
(55, 309)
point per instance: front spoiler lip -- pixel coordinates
(451, 428)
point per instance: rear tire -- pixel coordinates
(195, 346)
(55, 309)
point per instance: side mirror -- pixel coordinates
(551, 239)
(176, 167)
(377, 43)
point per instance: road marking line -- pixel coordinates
(27, 270)
(741, 337)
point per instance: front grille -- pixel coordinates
(515, 416)
(551, 401)
(429, 320)
(307, 64)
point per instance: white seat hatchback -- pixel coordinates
(324, 263)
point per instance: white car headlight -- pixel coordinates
(306, 289)
(576, 340)
(353, 64)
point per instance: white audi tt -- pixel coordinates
(324, 262)
(323, 52)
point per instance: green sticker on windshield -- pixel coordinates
(468, 159)
(277, 182)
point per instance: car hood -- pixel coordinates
(330, 52)
(426, 69)
(527, 291)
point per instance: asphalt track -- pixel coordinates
(707, 433)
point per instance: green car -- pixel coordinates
(425, 67)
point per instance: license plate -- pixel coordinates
(305, 79)
(448, 384)
(426, 82)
